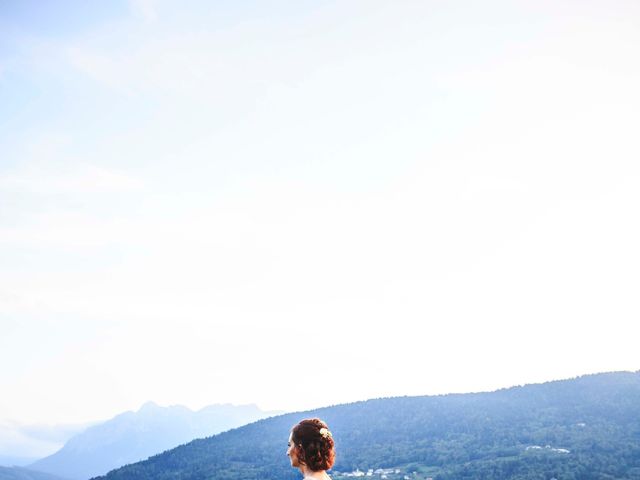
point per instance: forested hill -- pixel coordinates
(584, 428)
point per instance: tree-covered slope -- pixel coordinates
(584, 428)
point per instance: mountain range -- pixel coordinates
(133, 436)
(578, 429)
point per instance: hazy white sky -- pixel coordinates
(303, 203)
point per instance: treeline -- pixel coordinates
(591, 426)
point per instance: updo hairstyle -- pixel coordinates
(313, 448)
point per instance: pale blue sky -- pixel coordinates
(225, 201)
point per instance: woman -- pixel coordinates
(311, 449)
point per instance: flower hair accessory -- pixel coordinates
(325, 433)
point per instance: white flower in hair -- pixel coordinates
(324, 432)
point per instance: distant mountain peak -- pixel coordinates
(135, 435)
(150, 405)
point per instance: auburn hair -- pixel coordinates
(315, 450)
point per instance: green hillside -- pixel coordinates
(584, 428)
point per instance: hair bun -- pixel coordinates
(316, 444)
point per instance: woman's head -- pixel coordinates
(311, 444)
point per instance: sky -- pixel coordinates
(304, 203)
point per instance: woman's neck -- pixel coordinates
(317, 475)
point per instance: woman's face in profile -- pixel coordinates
(291, 452)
